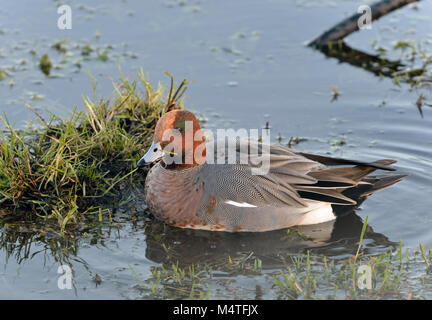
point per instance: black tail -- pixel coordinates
(364, 189)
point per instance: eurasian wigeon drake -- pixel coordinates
(298, 188)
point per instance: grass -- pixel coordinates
(305, 276)
(174, 282)
(390, 276)
(310, 273)
(397, 273)
(338, 279)
(64, 170)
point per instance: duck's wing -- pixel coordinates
(274, 186)
(292, 179)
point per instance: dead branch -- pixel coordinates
(350, 25)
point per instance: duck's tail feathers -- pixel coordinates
(365, 188)
(382, 181)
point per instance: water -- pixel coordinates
(249, 65)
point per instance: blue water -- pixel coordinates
(249, 65)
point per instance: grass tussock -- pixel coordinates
(63, 169)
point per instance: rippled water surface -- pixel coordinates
(250, 65)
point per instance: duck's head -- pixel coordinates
(178, 140)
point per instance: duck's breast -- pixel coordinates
(174, 196)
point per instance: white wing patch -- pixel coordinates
(242, 204)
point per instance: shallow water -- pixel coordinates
(249, 65)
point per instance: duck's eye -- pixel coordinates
(155, 149)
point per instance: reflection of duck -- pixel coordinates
(187, 190)
(167, 245)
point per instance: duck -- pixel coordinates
(187, 188)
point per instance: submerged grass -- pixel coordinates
(396, 273)
(385, 276)
(390, 277)
(63, 170)
(174, 282)
(305, 276)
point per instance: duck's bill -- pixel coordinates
(154, 153)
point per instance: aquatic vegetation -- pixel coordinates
(295, 141)
(308, 273)
(59, 46)
(394, 274)
(45, 64)
(319, 277)
(335, 93)
(387, 271)
(174, 282)
(337, 143)
(103, 56)
(3, 75)
(407, 62)
(87, 49)
(63, 170)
